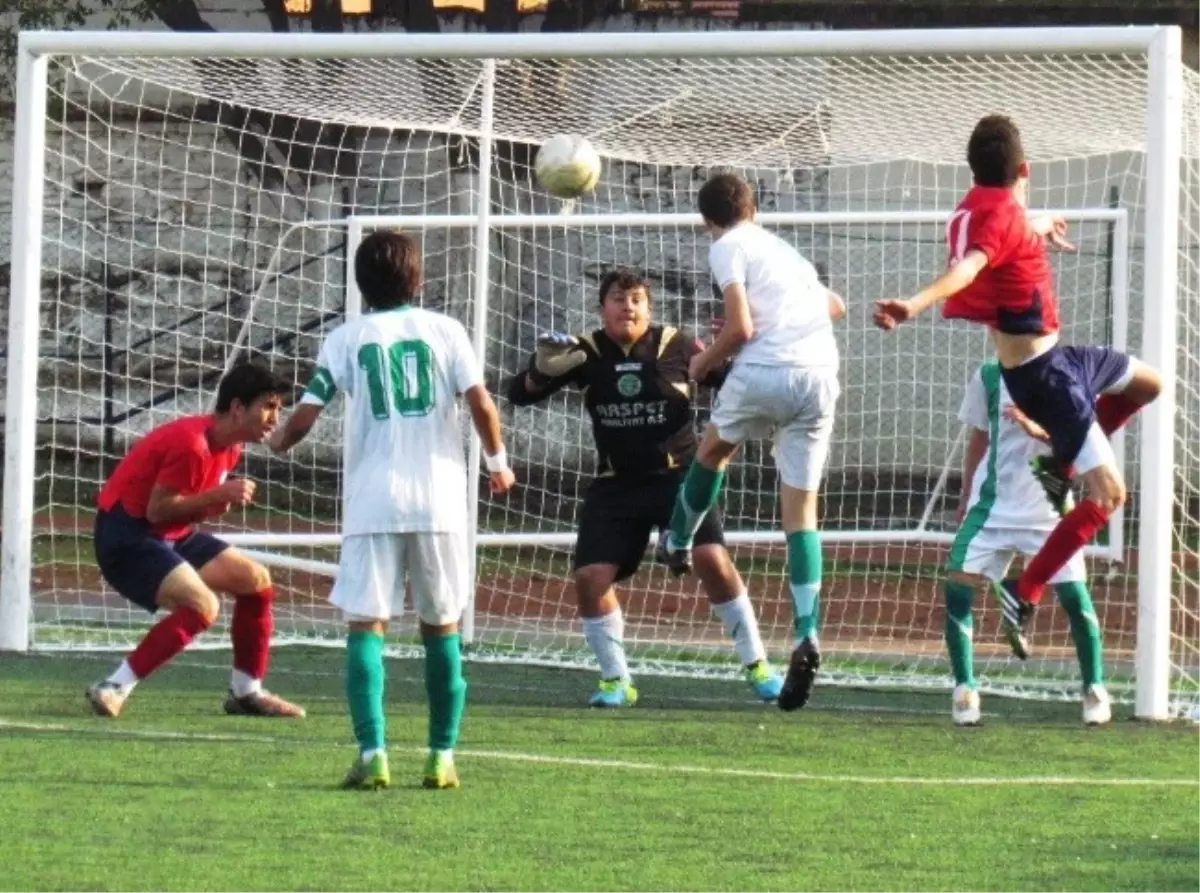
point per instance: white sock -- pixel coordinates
(605, 636)
(123, 677)
(368, 755)
(446, 754)
(243, 684)
(742, 626)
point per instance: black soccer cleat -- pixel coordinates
(1018, 617)
(1055, 483)
(678, 561)
(802, 672)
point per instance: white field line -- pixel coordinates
(628, 765)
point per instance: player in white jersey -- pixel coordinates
(1004, 514)
(405, 501)
(778, 327)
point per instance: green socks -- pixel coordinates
(1085, 630)
(364, 688)
(697, 496)
(959, 630)
(446, 687)
(804, 575)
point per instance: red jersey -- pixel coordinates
(176, 456)
(1014, 293)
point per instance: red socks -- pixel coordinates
(166, 639)
(253, 622)
(1072, 533)
(1114, 410)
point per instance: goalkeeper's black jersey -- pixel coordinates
(639, 401)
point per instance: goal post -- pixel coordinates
(855, 141)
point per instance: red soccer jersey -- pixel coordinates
(1015, 291)
(176, 456)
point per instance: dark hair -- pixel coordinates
(246, 382)
(625, 279)
(726, 200)
(994, 151)
(387, 268)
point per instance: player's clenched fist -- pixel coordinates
(236, 491)
(500, 482)
(558, 354)
(890, 313)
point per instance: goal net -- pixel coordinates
(198, 208)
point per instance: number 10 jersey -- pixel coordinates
(405, 469)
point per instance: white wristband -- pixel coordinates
(498, 462)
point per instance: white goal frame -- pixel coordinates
(1163, 141)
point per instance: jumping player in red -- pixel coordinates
(149, 551)
(999, 275)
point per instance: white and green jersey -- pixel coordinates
(1004, 492)
(406, 471)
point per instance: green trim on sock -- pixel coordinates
(364, 687)
(698, 494)
(959, 631)
(446, 687)
(1085, 630)
(804, 577)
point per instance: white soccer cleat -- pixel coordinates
(965, 706)
(107, 699)
(1097, 707)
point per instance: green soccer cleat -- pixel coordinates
(439, 772)
(368, 776)
(614, 693)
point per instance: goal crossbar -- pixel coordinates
(948, 42)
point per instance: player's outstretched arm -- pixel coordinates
(736, 329)
(299, 423)
(977, 445)
(487, 424)
(167, 506)
(837, 306)
(1054, 229)
(891, 312)
(556, 363)
(1028, 425)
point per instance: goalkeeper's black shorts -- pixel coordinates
(619, 515)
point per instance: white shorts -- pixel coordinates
(795, 404)
(990, 551)
(374, 567)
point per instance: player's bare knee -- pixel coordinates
(260, 577)
(1104, 487)
(437, 630)
(1145, 385)
(202, 600)
(593, 583)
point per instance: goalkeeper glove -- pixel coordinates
(557, 354)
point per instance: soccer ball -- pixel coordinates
(567, 166)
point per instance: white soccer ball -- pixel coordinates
(567, 166)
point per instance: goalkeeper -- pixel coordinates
(634, 376)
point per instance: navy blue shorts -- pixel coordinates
(1059, 389)
(134, 560)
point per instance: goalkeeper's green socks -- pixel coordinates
(804, 575)
(446, 687)
(697, 496)
(1085, 631)
(960, 629)
(364, 689)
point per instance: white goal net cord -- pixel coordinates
(170, 184)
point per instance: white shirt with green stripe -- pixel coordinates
(406, 471)
(1004, 492)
